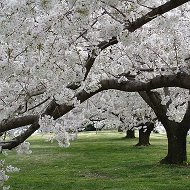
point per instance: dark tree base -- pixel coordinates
(90, 127)
(165, 160)
(130, 134)
(168, 161)
(177, 153)
(140, 144)
(144, 136)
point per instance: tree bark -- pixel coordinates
(144, 135)
(176, 132)
(130, 134)
(177, 150)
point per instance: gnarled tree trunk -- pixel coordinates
(144, 135)
(176, 132)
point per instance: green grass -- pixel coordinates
(97, 162)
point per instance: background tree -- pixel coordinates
(57, 54)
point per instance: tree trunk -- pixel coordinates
(177, 150)
(90, 127)
(120, 129)
(176, 132)
(144, 135)
(130, 134)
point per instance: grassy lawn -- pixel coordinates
(102, 161)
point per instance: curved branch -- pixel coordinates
(133, 26)
(56, 110)
(154, 101)
(91, 58)
(34, 127)
(18, 122)
(154, 13)
(21, 138)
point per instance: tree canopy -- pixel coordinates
(56, 54)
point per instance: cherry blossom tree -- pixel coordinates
(57, 54)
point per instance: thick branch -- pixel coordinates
(168, 6)
(146, 98)
(18, 122)
(159, 109)
(186, 119)
(56, 111)
(153, 99)
(21, 138)
(132, 26)
(181, 80)
(91, 58)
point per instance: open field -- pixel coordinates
(97, 162)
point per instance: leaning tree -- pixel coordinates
(57, 54)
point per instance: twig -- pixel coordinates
(39, 104)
